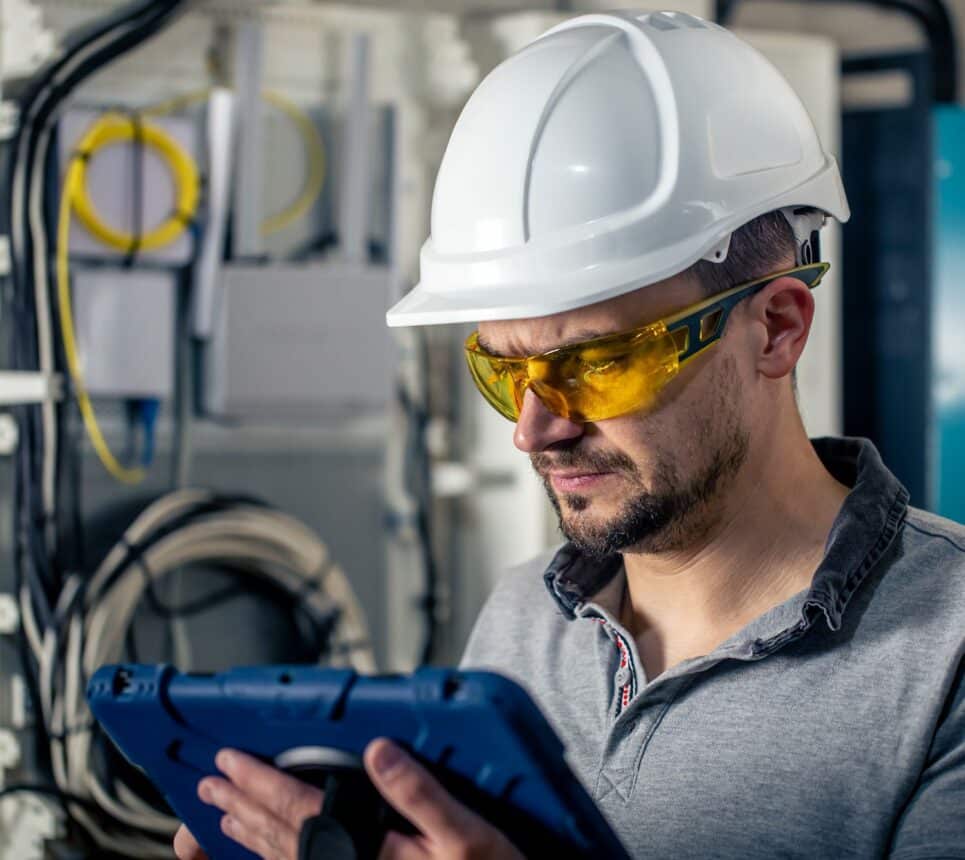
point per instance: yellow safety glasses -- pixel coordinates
(618, 373)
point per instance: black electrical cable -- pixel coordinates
(418, 481)
(29, 515)
(137, 189)
(134, 557)
(38, 107)
(79, 40)
(58, 624)
(37, 104)
(35, 569)
(319, 625)
(23, 298)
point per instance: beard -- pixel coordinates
(670, 510)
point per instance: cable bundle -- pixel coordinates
(71, 623)
(47, 535)
(93, 616)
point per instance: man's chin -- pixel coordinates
(583, 515)
(600, 527)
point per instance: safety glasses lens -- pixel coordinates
(601, 379)
(495, 381)
(613, 379)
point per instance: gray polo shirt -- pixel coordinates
(831, 726)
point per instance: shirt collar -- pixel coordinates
(867, 523)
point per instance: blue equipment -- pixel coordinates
(478, 732)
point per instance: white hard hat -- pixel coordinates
(614, 151)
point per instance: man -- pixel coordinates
(750, 644)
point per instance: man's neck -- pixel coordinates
(762, 547)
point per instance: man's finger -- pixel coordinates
(186, 846)
(290, 799)
(416, 794)
(255, 827)
(277, 844)
(395, 846)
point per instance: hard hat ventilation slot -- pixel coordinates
(675, 21)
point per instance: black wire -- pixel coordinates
(137, 189)
(202, 604)
(29, 509)
(48, 95)
(34, 569)
(213, 504)
(144, 18)
(58, 625)
(320, 625)
(418, 480)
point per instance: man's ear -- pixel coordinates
(786, 309)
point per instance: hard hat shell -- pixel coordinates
(612, 152)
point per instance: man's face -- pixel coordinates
(643, 482)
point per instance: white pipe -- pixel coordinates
(353, 209)
(219, 152)
(250, 133)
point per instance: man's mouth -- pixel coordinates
(576, 481)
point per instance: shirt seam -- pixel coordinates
(946, 538)
(942, 854)
(686, 684)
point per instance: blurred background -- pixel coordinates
(212, 450)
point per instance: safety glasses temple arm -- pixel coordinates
(691, 319)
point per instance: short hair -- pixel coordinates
(757, 249)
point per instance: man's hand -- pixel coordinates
(265, 810)
(447, 828)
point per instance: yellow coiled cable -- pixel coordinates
(108, 130)
(315, 158)
(311, 140)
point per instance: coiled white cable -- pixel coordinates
(92, 620)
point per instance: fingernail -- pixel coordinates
(228, 824)
(205, 792)
(387, 756)
(224, 760)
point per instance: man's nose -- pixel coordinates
(538, 428)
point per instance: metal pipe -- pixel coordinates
(354, 191)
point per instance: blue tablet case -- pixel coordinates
(479, 732)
